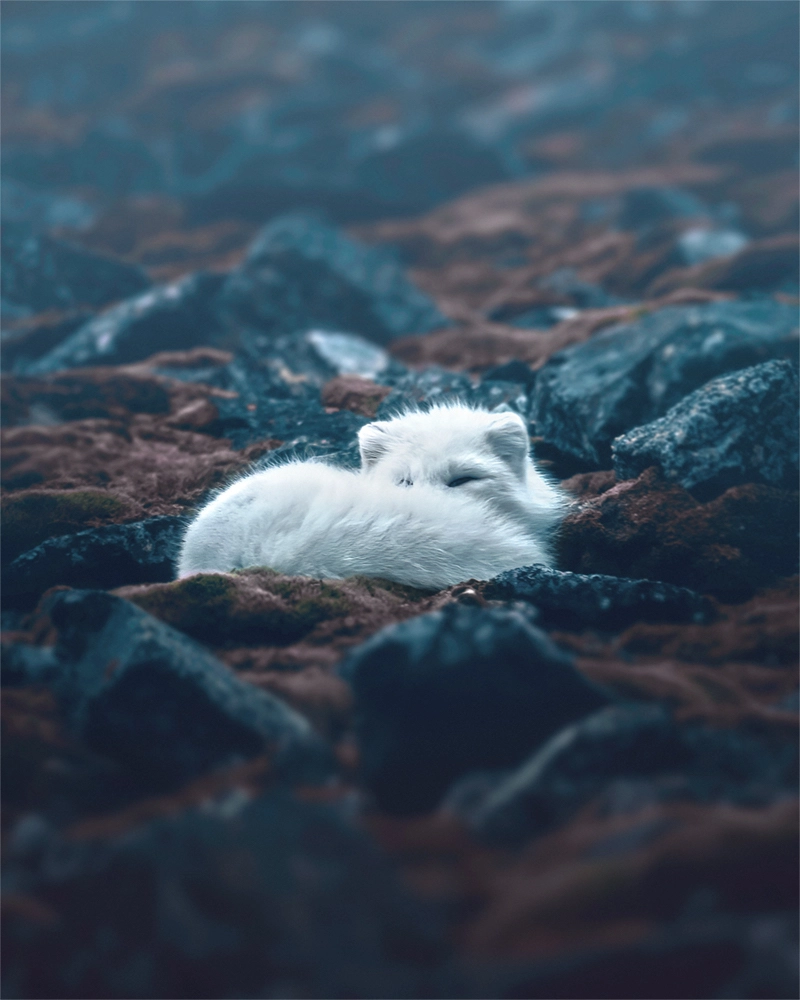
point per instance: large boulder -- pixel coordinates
(739, 428)
(172, 317)
(301, 273)
(42, 272)
(152, 699)
(621, 378)
(455, 690)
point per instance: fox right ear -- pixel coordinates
(373, 443)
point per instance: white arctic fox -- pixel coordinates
(443, 495)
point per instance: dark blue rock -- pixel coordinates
(740, 428)
(115, 164)
(32, 336)
(106, 557)
(635, 755)
(456, 690)
(41, 272)
(433, 385)
(236, 897)
(301, 274)
(643, 207)
(152, 699)
(575, 600)
(172, 317)
(587, 395)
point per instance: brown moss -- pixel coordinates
(292, 621)
(648, 528)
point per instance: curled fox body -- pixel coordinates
(443, 495)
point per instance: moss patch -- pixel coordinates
(262, 607)
(29, 518)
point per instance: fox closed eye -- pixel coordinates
(463, 479)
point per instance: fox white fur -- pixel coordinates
(443, 495)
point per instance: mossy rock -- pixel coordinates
(30, 517)
(253, 607)
(259, 606)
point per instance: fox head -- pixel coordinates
(456, 447)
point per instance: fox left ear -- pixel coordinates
(507, 436)
(373, 443)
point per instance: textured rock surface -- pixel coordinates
(455, 690)
(167, 318)
(622, 378)
(301, 273)
(739, 428)
(575, 600)
(142, 552)
(644, 754)
(40, 272)
(145, 695)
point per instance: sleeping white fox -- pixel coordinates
(443, 495)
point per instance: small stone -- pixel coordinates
(740, 428)
(455, 690)
(351, 392)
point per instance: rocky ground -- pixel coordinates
(243, 233)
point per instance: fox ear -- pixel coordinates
(507, 436)
(373, 442)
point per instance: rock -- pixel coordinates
(103, 159)
(42, 272)
(34, 515)
(298, 425)
(647, 206)
(352, 392)
(651, 529)
(29, 337)
(175, 317)
(300, 274)
(700, 244)
(273, 626)
(574, 600)
(348, 354)
(740, 428)
(763, 264)
(233, 896)
(436, 385)
(637, 751)
(455, 690)
(141, 693)
(621, 378)
(117, 554)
